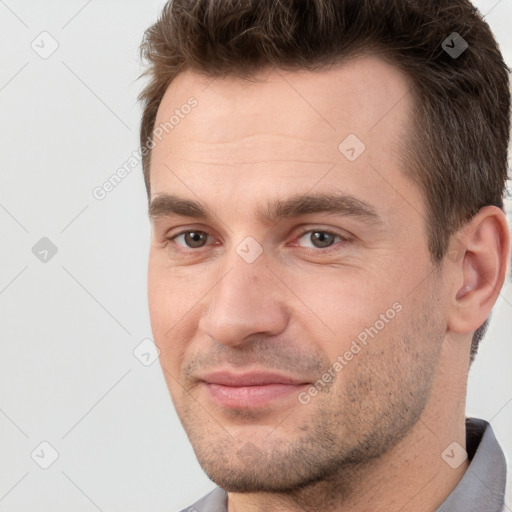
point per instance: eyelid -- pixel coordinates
(330, 231)
(184, 229)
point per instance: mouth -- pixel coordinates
(249, 390)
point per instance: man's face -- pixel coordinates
(251, 312)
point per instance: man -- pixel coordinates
(325, 184)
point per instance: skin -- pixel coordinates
(373, 438)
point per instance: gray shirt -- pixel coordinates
(482, 488)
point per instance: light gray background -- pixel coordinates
(69, 326)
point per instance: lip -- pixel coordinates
(250, 389)
(226, 378)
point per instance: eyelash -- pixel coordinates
(304, 232)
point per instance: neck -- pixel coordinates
(413, 475)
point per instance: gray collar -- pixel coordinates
(482, 487)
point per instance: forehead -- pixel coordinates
(276, 111)
(362, 95)
(285, 127)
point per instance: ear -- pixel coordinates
(480, 255)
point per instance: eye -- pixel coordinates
(321, 239)
(193, 239)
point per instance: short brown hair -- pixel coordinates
(457, 152)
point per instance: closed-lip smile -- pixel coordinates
(249, 389)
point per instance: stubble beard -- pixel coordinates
(344, 429)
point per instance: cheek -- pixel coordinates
(157, 301)
(169, 297)
(167, 309)
(342, 305)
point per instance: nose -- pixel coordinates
(247, 301)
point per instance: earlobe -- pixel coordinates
(480, 270)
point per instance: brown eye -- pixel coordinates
(320, 239)
(192, 239)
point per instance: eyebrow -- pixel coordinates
(168, 205)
